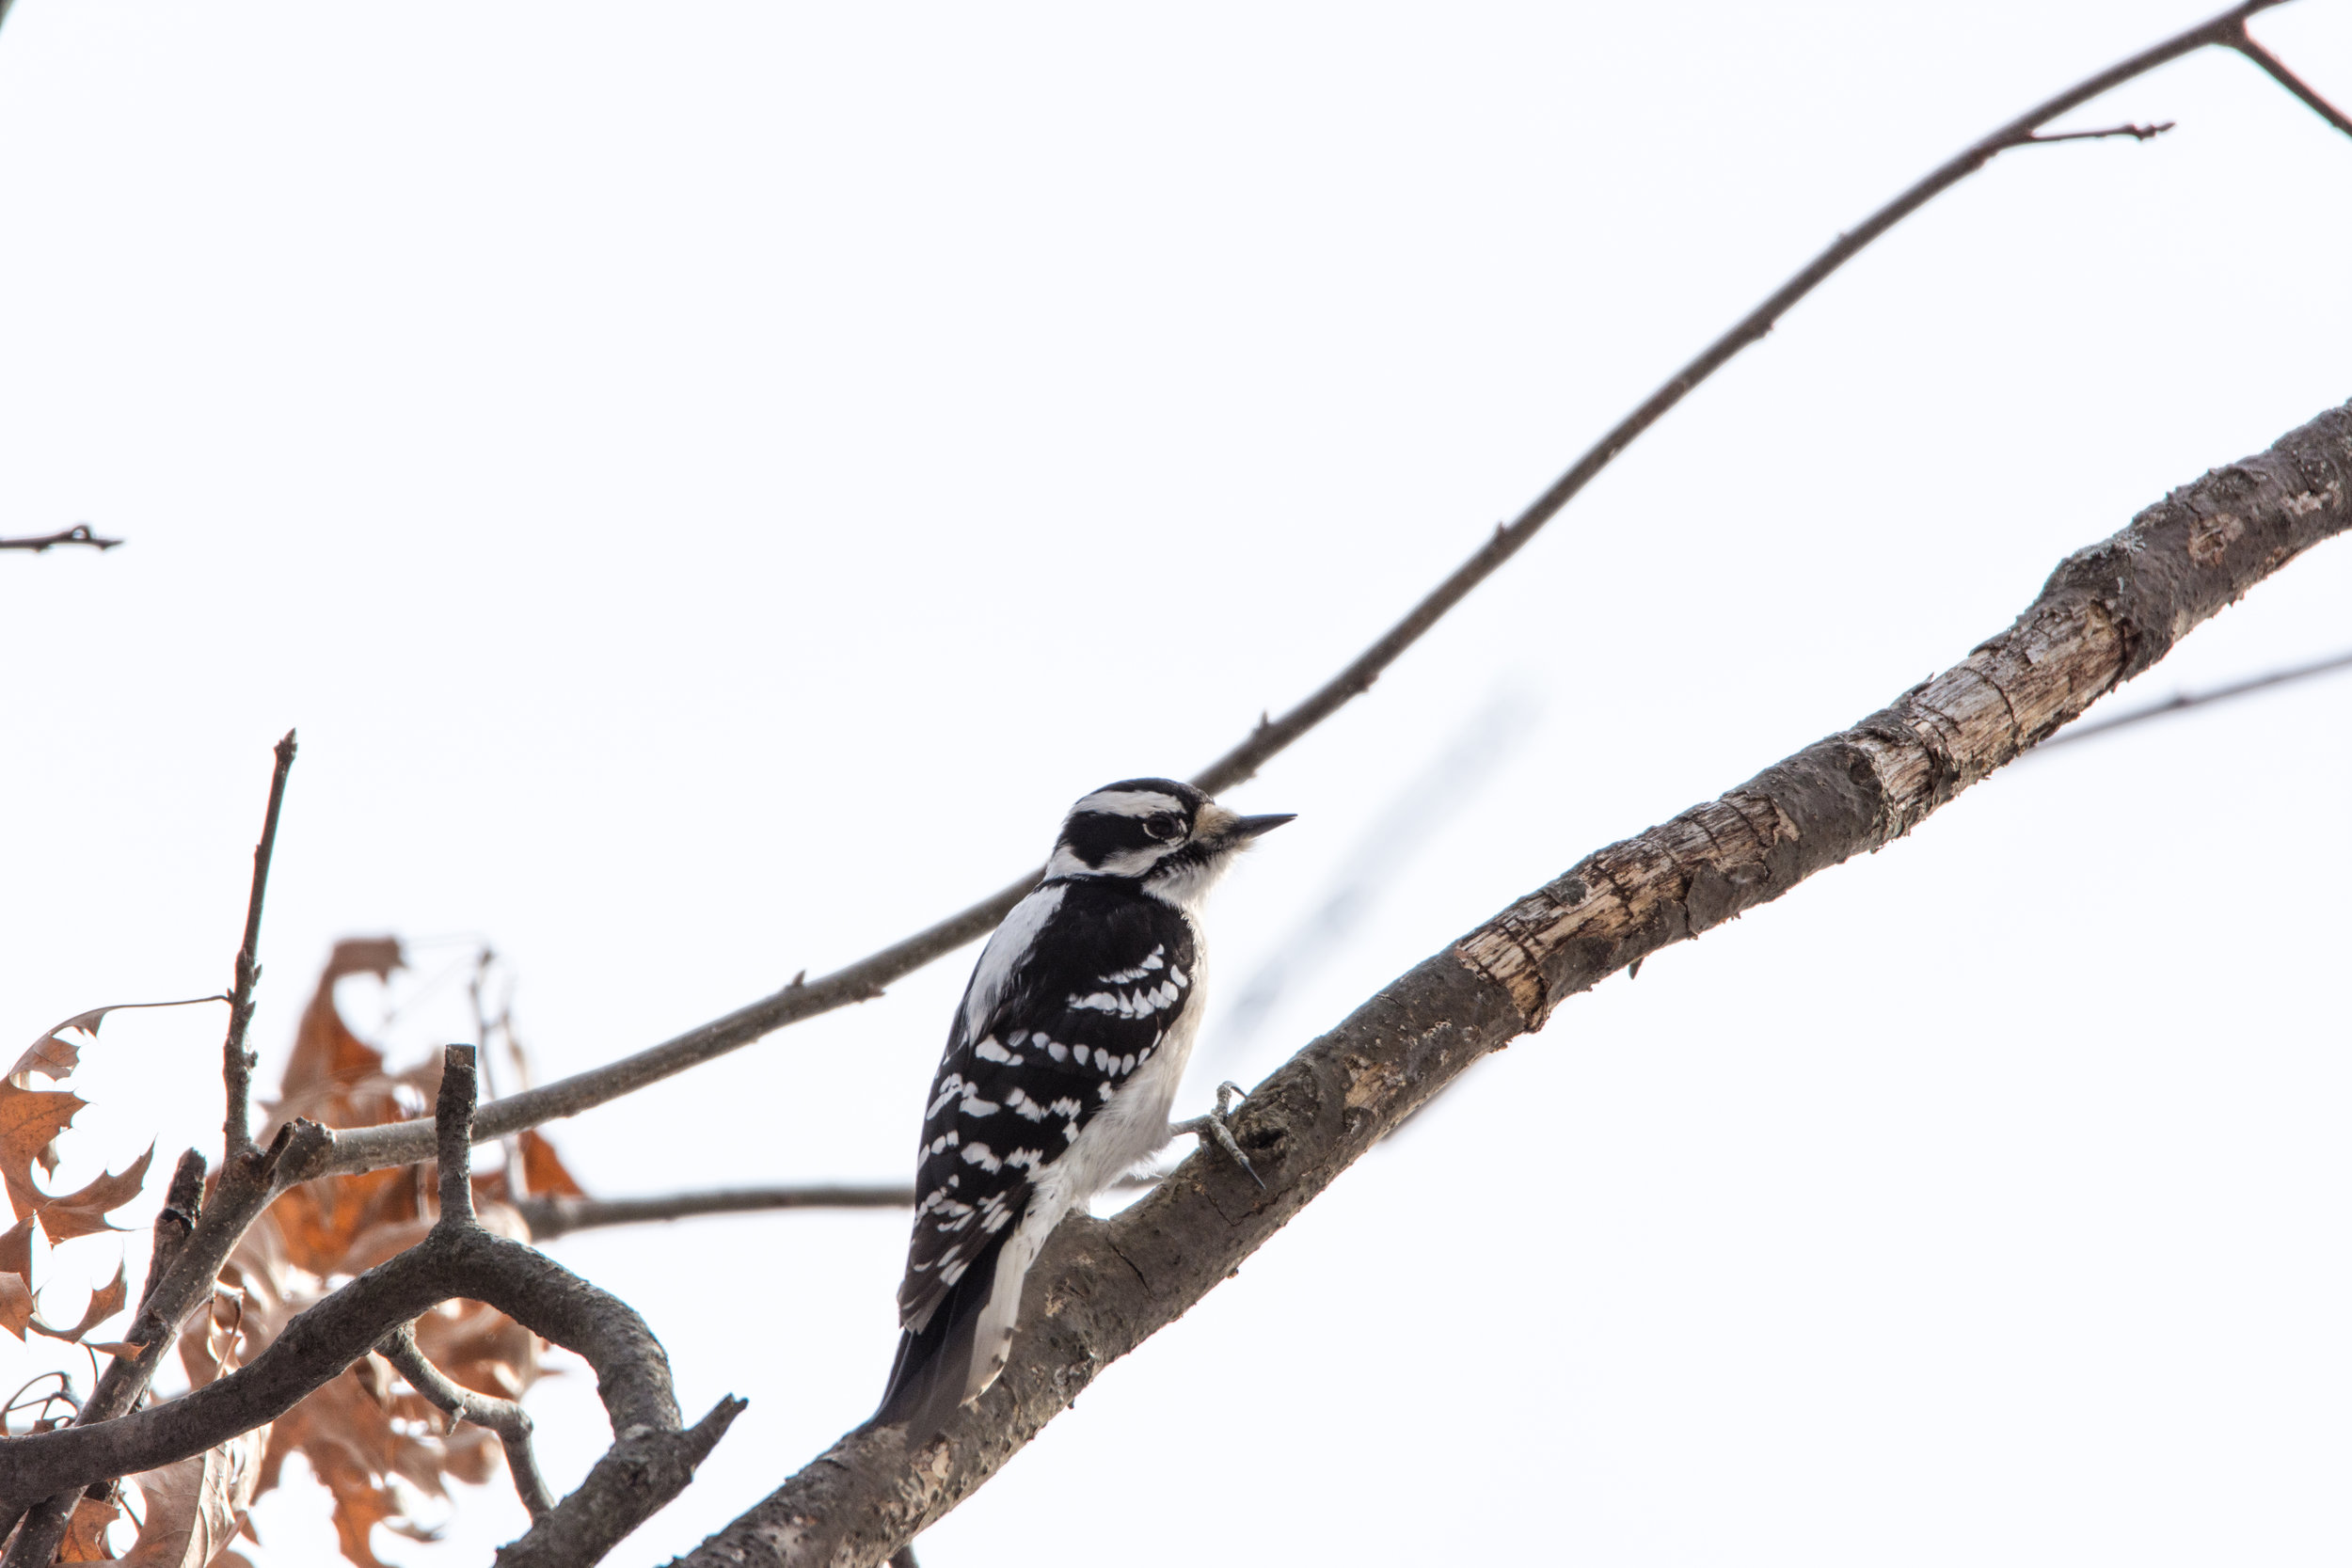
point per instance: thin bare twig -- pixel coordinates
(2138, 133)
(236, 1062)
(2244, 42)
(403, 1143)
(79, 534)
(2182, 700)
(550, 1217)
(503, 1416)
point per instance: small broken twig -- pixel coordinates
(80, 533)
(2138, 133)
(184, 1202)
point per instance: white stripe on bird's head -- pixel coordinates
(1129, 802)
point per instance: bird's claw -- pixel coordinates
(1216, 1125)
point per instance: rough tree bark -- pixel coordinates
(1102, 1288)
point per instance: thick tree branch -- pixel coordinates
(1102, 1288)
(79, 534)
(406, 1143)
(651, 1459)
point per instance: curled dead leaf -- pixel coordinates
(16, 1303)
(84, 1212)
(193, 1506)
(103, 1304)
(543, 1172)
(50, 1056)
(376, 955)
(28, 1120)
(16, 1250)
(86, 1532)
(53, 1055)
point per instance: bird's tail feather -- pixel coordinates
(933, 1367)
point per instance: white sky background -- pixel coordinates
(710, 484)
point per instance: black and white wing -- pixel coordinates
(1073, 995)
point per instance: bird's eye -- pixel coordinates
(1164, 826)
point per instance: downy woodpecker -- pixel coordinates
(1061, 1064)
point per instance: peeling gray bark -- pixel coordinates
(1102, 1288)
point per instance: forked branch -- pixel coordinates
(2245, 44)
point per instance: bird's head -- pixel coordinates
(1161, 833)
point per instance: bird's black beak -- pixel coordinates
(1250, 827)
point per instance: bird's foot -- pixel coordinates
(1216, 1125)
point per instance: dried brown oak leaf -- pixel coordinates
(339, 1081)
(544, 1172)
(86, 1532)
(84, 1213)
(53, 1055)
(16, 1250)
(103, 1304)
(16, 1276)
(348, 1438)
(16, 1303)
(193, 1506)
(28, 1120)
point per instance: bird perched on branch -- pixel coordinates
(1061, 1065)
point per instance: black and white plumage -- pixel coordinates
(1060, 1068)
